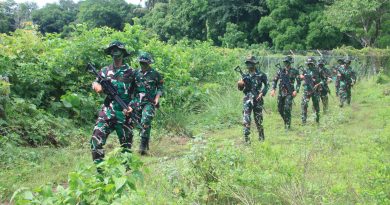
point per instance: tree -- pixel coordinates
(7, 16)
(361, 20)
(54, 17)
(98, 13)
(23, 13)
(233, 37)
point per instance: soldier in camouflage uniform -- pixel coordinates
(347, 80)
(340, 61)
(148, 90)
(111, 116)
(326, 77)
(251, 85)
(312, 84)
(287, 91)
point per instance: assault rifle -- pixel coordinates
(110, 91)
(309, 80)
(245, 78)
(285, 79)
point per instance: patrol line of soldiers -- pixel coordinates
(315, 79)
(140, 88)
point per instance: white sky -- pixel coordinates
(41, 3)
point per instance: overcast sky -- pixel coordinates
(41, 3)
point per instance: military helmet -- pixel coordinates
(145, 57)
(310, 60)
(119, 45)
(251, 59)
(288, 59)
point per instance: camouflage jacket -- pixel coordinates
(312, 77)
(287, 79)
(325, 75)
(123, 79)
(347, 75)
(148, 85)
(257, 80)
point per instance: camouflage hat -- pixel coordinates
(310, 60)
(145, 57)
(119, 45)
(288, 59)
(251, 59)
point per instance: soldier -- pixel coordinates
(340, 61)
(111, 116)
(347, 80)
(148, 90)
(287, 91)
(312, 82)
(251, 85)
(326, 77)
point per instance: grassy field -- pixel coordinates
(343, 160)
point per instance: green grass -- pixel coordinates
(344, 160)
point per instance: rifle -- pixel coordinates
(309, 80)
(245, 78)
(284, 79)
(110, 91)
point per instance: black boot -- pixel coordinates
(261, 135)
(144, 146)
(247, 139)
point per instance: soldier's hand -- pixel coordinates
(128, 110)
(302, 76)
(240, 83)
(259, 96)
(294, 93)
(272, 93)
(97, 87)
(156, 100)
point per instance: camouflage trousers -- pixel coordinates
(337, 86)
(109, 120)
(284, 108)
(324, 98)
(144, 114)
(257, 108)
(305, 104)
(345, 93)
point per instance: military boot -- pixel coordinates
(261, 135)
(144, 146)
(247, 139)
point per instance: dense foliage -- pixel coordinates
(278, 24)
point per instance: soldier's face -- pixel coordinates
(144, 65)
(117, 53)
(249, 65)
(286, 64)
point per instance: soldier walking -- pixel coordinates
(111, 116)
(148, 90)
(252, 86)
(347, 80)
(324, 90)
(312, 82)
(287, 76)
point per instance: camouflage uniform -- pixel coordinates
(111, 116)
(324, 91)
(311, 78)
(347, 79)
(335, 71)
(250, 101)
(149, 84)
(287, 77)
